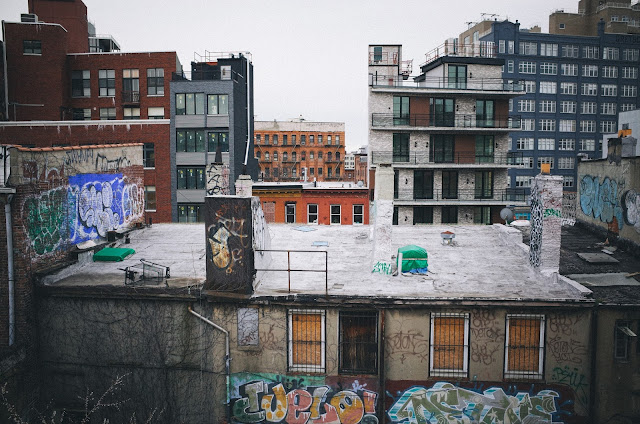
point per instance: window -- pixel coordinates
(189, 213)
(149, 155)
(589, 108)
(422, 215)
(548, 68)
(155, 112)
(630, 55)
(569, 88)
(107, 82)
(524, 143)
(510, 66)
(155, 82)
(275, 139)
(523, 181)
(275, 156)
(567, 181)
(190, 104)
(319, 139)
(82, 114)
(482, 215)
(377, 54)
(289, 211)
(149, 198)
(611, 53)
(528, 124)
(622, 340)
(546, 144)
(610, 72)
(524, 346)
(306, 334)
(588, 126)
(548, 49)
(422, 184)
(566, 162)
(589, 89)
(442, 112)
(107, 113)
(484, 148)
(627, 106)
(547, 125)
(457, 76)
(609, 90)
(629, 91)
(191, 178)
(569, 50)
(501, 46)
(545, 160)
(566, 144)
(548, 106)
(525, 161)
(131, 112)
(548, 87)
(449, 215)
(335, 210)
(450, 185)
(31, 47)
(525, 67)
(319, 155)
(567, 125)
(608, 127)
(589, 70)
(591, 52)
(484, 185)
(131, 85)
(485, 113)
(80, 83)
(449, 345)
(530, 86)
(567, 106)
(400, 148)
(569, 69)
(358, 342)
(441, 148)
(190, 141)
(312, 211)
(608, 108)
(218, 104)
(328, 140)
(303, 139)
(337, 140)
(511, 46)
(588, 145)
(221, 140)
(526, 105)
(629, 72)
(311, 139)
(528, 48)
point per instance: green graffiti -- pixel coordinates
(46, 220)
(552, 212)
(382, 268)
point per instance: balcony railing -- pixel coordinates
(131, 97)
(446, 83)
(423, 158)
(451, 47)
(444, 120)
(473, 194)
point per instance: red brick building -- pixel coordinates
(314, 203)
(57, 69)
(300, 150)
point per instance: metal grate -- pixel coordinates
(306, 341)
(449, 344)
(358, 342)
(524, 350)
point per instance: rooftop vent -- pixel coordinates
(28, 17)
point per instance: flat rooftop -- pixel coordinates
(485, 263)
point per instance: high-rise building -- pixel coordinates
(620, 17)
(445, 136)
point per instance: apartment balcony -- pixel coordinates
(468, 196)
(131, 97)
(444, 121)
(444, 160)
(444, 84)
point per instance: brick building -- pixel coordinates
(620, 17)
(97, 83)
(300, 150)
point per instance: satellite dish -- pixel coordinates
(507, 215)
(360, 184)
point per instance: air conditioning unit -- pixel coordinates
(28, 17)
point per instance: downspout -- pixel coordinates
(383, 387)
(594, 350)
(6, 77)
(227, 358)
(249, 112)
(10, 273)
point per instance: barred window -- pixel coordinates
(306, 340)
(524, 349)
(449, 344)
(358, 339)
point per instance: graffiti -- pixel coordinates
(217, 179)
(104, 164)
(382, 268)
(445, 402)
(33, 171)
(600, 200)
(223, 255)
(567, 351)
(564, 324)
(47, 220)
(631, 208)
(550, 212)
(261, 240)
(410, 343)
(483, 354)
(574, 379)
(264, 400)
(535, 242)
(248, 327)
(77, 156)
(569, 208)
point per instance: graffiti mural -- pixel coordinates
(217, 179)
(631, 208)
(47, 220)
(602, 200)
(535, 241)
(447, 403)
(300, 399)
(574, 379)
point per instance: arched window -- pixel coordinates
(275, 156)
(294, 156)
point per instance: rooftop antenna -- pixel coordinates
(484, 15)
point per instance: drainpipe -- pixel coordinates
(6, 78)
(249, 112)
(594, 363)
(227, 358)
(383, 387)
(10, 276)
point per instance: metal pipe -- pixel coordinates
(249, 112)
(10, 273)
(227, 358)
(6, 78)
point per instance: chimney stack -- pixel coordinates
(546, 222)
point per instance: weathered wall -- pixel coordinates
(609, 196)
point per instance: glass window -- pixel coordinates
(609, 90)
(191, 178)
(524, 346)
(131, 85)
(31, 47)
(482, 215)
(547, 125)
(400, 148)
(217, 104)
(149, 155)
(568, 88)
(548, 87)
(567, 125)
(587, 144)
(442, 112)
(528, 48)
(358, 342)
(548, 49)
(589, 70)
(566, 144)
(422, 184)
(358, 214)
(566, 162)
(611, 53)
(400, 110)
(622, 340)
(567, 181)
(546, 144)
(149, 198)
(629, 91)
(569, 50)
(608, 108)
(588, 126)
(335, 210)
(190, 103)
(548, 160)
(530, 87)
(629, 72)
(525, 67)
(442, 148)
(526, 105)
(567, 106)
(306, 340)
(81, 114)
(107, 82)
(449, 215)
(548, 106)
(483, 185)
(155, 112)
(312, 210)
(569, 69)
(591, 52)
(449, 345)
(189, 213)
(108, 113)
(450, 185)
(610, 72)
(525, 143)
(457, 76)
(131, 112)
(80, 83)
(155, 82)
(180, 104)
(548, 68)
(588, 108)
(589, 89)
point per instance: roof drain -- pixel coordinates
(227, 357)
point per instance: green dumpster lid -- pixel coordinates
(113, 254)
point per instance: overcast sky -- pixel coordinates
(310, 58)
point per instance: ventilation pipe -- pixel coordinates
(227, 358)
(249, 111)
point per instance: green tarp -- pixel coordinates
(113, 254)
(412, 252)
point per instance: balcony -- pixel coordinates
(471, 195)
(423, 158)
(455, 121)
(446, 83)
(131, 97)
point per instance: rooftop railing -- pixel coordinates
(451, 47)
(464, 158)
(451, 120)
(445, 83)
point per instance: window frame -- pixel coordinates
(82, 83)
(149, 155)
(530, 374)
(155, 82)
(314, 368)
(31, 47)
(148, 189)
(332, 214)
(446, 372)
(361, 214)
(371, 369)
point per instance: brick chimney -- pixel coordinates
(546, 222)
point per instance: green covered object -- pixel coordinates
(417, 258)
(113, 254)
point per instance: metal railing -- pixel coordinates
(445, 83)
(211, 74)
(424, 158)
(446, 120)
(131, 97)
(451, 47)
(289, 270)
(473, 194)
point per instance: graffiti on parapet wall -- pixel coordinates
(227, 242)
(382, 268)
(569, 208)
(217, 179)
(447, 403)
(631, 208)
(88, 207)
(602, 200)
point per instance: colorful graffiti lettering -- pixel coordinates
(445, 402)
(601, 200)
(631, 208)
(382, 268)
(262, 401)
(47, 220)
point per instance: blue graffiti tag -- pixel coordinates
(601, 200)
